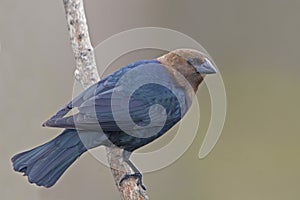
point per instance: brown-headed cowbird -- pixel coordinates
(122, 110)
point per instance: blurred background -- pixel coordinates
(256, 47)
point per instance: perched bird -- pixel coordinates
(102, 119)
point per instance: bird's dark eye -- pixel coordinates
(190, 61)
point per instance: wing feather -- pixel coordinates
(95, 104)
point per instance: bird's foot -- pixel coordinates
(138, 176)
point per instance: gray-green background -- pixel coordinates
(256, 47)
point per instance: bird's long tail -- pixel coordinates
(46, 163)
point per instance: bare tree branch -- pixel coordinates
(129, 188)
(86, 73)
(86, 69)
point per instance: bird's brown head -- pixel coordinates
(192, 64)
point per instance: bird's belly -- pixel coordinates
(132, 142)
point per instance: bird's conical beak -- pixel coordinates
(206, 68)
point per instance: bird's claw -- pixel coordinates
(138, 176)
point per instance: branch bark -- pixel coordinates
(86, 70)
(86, 73)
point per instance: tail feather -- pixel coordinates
(45, 164)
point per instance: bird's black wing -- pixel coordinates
(111, 105)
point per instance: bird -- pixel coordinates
(129, 108)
